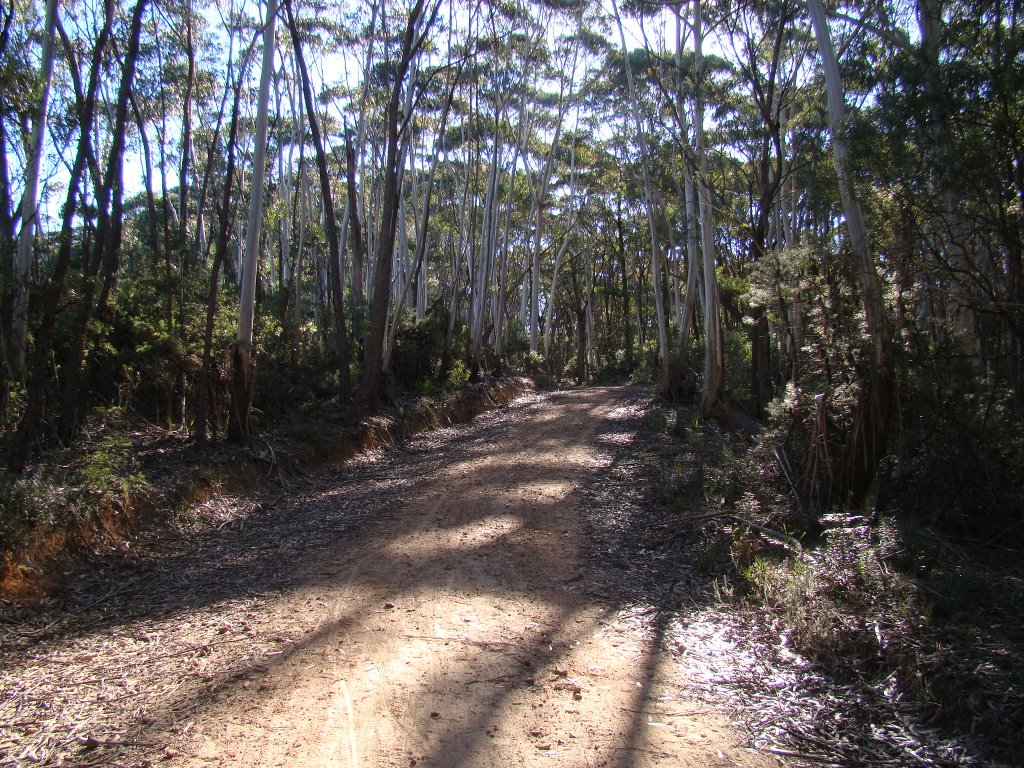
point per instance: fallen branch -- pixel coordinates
(784, 538)
(92, 743)
(690, 518)
(198, 648)
(498, 679)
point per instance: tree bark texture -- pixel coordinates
(242, 369)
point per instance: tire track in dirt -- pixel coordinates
(458, 632)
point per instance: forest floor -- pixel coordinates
(437, 605)
(501, 592)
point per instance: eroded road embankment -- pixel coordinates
(433, 608)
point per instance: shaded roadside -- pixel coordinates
(184, 609)
(91, 503)
(378, 610)
(682, 579)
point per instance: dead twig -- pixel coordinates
(498, 679)
(784, 538)
(203, 647)
(690, 518)
(92, 743)
(780, 456)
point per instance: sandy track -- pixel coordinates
(458, 632)
(447, 603)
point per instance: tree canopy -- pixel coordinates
(808, 212)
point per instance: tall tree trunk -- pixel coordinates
(649, 198)
(481, 274)
(689, 208)
(331, 221)
(147, 177)
(370, 387)
(418, 278)
(110, 208)
(358, 250)
(949, 230)
(867, 441)
(186, 135)
(620, 252)
(501, 297)
(549, 310)
(30, 200)
(206, 419)
(31, 420)
(539, 204)
(242, 368)
(714, 356)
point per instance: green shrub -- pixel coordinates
(108, 468)
(27, 501)
(458, 377)
(417, 349)
(99, 474)
(839, 603)
(960, 466)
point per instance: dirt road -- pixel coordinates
(455, 625)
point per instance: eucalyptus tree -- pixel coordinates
(242, 372)
(30, 193)
(651, 205)
(225, 208)
(335, 267)
(867, 442)
(714, 362)
(418, 23)
(540, 187)
(16, 71)
(421, 195)
(103, 263)
(957, 100)
(678, 109)
(687, 96)
(108, 191)
(498, 85)
(768, 48)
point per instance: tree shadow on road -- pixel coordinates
(208, 615)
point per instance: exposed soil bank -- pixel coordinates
(435, 605)
(176, 476)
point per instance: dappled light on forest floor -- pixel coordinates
(505, 593)
(431, 606)
(786, 700)
(485, 532)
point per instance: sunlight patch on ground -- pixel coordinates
(486, 530)
(782, 695)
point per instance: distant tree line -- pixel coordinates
(808, 210)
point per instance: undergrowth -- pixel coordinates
(839, 602)
(887, 596)
(76, 488)
(122, 469)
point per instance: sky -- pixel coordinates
(337, 68)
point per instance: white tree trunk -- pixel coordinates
(867, 277)
(252, 231)
(714, 363)
(485, 261)
(649, 199)
(692, 260)
(30, 200)
(540, 201)
(549, 310)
